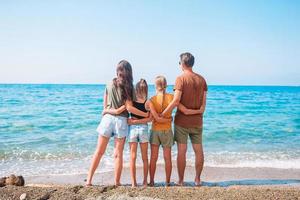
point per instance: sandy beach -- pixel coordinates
(218, 183)
(123, 192)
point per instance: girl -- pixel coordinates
(118, 97)
(161, 133)
(139, 131)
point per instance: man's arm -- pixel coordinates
(134, 110)
(174, 103)
(187, 111)
(203, 106)
(156, 116)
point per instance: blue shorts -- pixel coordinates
(111, 125)
(138, 133)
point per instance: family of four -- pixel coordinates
(127, 112)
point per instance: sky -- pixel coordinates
(249, 42)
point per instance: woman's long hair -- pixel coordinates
(124, 80)
(141, 89)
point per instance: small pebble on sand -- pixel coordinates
(23, 196)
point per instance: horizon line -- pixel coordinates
(257, 85)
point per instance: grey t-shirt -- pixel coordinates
(114, 98)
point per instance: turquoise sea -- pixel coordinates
(50, 129)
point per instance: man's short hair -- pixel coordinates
(187, 59)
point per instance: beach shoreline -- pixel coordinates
(211, 176)
(217, 183)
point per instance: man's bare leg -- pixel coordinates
(181, 162)
(199, 161)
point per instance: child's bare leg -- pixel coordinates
(133, 150)
(168, 164)
(153, 160)
(144, 151)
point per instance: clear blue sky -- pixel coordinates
(238, 42)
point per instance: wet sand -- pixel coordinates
(211, 176)
(218, 183)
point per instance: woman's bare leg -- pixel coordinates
(153, 160)
(168, 164)
(118, 155)
(133, 150)
(101, 147)
(144, 151)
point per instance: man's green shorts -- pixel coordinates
(163, 138)
(181, 135)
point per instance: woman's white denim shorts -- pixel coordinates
(111, 125)
(138, 133)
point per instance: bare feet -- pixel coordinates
(179, 183)
(197, 182)
(88, 185)
(145, 184)
(134, 185)
(168, 184)
(151, 184)
(118, 184)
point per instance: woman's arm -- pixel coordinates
(144, 120)
(147, 105)
(130, 108)
(104, 99)
(113, 111)
(156, 116)
(140, 121)
(104, 102)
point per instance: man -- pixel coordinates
(190, 92)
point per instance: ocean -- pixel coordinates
(50, 129)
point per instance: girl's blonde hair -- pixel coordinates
(141, 88)
(161, 85)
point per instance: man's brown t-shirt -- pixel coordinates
(192, 86)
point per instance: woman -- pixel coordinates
(118, 98)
